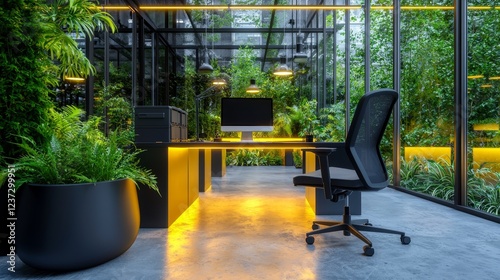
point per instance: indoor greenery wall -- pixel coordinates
(36, 51)
(24, 74)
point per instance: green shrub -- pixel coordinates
(254, 157)
(437, 178)
(78, 152)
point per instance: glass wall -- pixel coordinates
(348, 52)
(483, 188)
(427, 98)
(430, 163)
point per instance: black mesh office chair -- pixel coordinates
(368, 172)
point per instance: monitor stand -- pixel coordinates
(246, 136)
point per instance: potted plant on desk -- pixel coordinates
(302, 119)
(308, 132)
(77, 198)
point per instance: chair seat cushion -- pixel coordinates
(339, 177)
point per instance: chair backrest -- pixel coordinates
(365, 133)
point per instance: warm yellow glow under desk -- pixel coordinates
(285, 139)
(178, 185)
(268, 140)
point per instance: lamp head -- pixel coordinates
(219, 82)
(253, 88)
(283, 70)
(205, 68)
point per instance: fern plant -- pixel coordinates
(78, 152)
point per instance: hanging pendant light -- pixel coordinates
(205, 68)
(300, 57)
(219, 82)
(253, 88)
(283, 69)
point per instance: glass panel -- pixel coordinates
(483, 190)
(357, 61)
(162, 74)
(427, 98)
(381, 42)
(381, 61)
(145, 87)
(113, 102)
(332, 108)
(333, 115)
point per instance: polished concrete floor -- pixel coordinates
(251, 225)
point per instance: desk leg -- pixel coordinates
(205, 168)
(218, 162)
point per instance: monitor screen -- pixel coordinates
(247, 114)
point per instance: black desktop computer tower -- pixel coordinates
(159, 124)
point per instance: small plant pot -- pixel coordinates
(309, 138)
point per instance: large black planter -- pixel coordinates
(70, 227)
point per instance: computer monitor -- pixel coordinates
(246, 115)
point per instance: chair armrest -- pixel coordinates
(324, 167)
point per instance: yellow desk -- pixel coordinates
(183, 169)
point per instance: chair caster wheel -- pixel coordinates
(309, 240)
(405, 239)
(315, 226)
(368, 250)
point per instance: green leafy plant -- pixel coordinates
(115, 108)
(78, 152)
(298, 120)
(437, 179)
(37, 49)
(62, 18)
(333, 120)
(253, 157)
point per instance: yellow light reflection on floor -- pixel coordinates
(233, 225)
